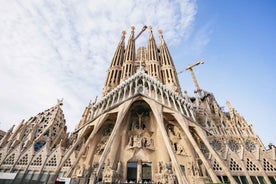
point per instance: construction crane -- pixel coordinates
(143, 29)
(190, 68)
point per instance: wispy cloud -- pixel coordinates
(200, 38)
(62, 49)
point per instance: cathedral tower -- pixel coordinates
(167, 67)
(153, 59)
(129, 58)
(143, 129)
(115, 70)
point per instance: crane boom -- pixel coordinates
(190, 68)
(143, 29)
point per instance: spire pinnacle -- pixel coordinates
(230, 108)
(123, 37)
(132, 31)
(161, 36)
(60, 102)
(150, 32)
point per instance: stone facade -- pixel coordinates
(143, 129)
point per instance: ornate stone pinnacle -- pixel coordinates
(132, 28)
(161, 36)
(60, 102)
(123, 32)
(160, 31)
(150, 28)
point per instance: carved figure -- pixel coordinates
(136, 141)
(131, 141)
(100, 147)
(177, 132)
(180, 150)
(119, 167)
(110, 175)
(165, 173)
(108, 130)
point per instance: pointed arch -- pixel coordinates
(157, 111)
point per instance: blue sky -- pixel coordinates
(240, 59)
(61, 49)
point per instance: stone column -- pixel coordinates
(122, 110)
(185, 128)
(139, 171)
(98, 123)
(209, 147)
(157, 111)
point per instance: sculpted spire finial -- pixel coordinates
(150, 31)
(161, 36)
(60, 102)
(132, 31)
(160, 31)
(123, 36)
(95, 101)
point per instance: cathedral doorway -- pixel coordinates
(139, 171)
(132, 171)
(146, 172)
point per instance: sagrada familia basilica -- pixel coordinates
(144, 129)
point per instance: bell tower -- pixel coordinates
(115, 69)
(153, 61)
(129, 57)
(168, 71)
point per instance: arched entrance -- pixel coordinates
(139, 171)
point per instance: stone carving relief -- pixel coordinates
(174, 134)
(250, 145)
(79, 171)
(101, 145)
(139, 122)
(111, 175)
(203, 148)
(140, 141)
(216, 144)
(140, 135)
(179, 149)
(165, 173)
(105, 135)
(107, 131)
(233, 145)
(174, 131)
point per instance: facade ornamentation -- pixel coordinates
(143, 129)
(110, 175)
(165, 173)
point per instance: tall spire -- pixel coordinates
(168, 71)
(115, 69)
(128, 64)
(153, 64)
